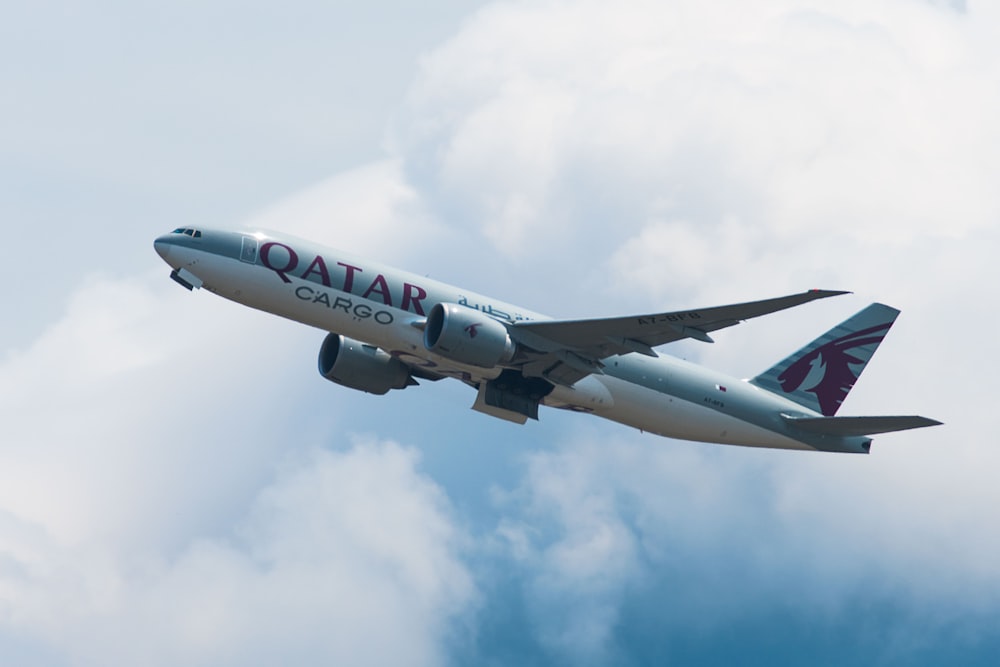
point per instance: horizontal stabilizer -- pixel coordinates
(854, 426)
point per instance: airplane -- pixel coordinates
(388, 329)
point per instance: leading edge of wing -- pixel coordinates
(604, 337)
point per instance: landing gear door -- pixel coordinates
(248, 253)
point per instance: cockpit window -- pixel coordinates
(194, 233)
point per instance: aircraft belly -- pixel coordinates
(673, 417)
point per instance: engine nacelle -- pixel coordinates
(360, 366)
(467, 336)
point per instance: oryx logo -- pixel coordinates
(472, 330)
(827, 371)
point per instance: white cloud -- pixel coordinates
(575, 580)
(705, 540)
(370, 210)
(804, 128)
(108, 414)
(338, 553)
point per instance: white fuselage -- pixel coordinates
(385, 307)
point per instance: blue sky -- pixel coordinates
(179, 486)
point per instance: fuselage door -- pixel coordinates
(248, 253)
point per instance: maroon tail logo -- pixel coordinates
(472, 330)
(828, 368)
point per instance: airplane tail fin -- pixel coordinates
(820, 375)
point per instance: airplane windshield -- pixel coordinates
(194, 233)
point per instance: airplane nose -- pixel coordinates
(162, 248)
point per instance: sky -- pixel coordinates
(179, 486)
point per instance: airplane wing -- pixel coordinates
(572, 349)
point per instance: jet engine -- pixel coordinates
(360, 366)
(467, 336)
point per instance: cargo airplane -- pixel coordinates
(387, 329)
